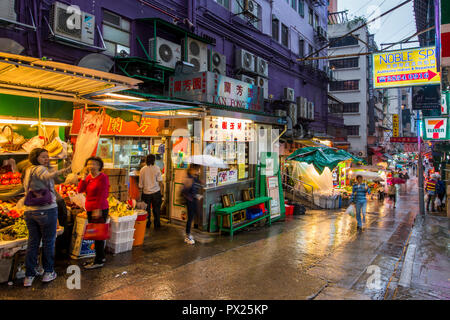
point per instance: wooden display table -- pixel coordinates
(221, 212)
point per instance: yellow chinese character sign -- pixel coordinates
(405, 68)
(395, 125)
(115, 125)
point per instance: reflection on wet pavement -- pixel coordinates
(316, 256)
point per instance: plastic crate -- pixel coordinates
(123, 223)
(120, 246)
(122, 236)
(253, 213)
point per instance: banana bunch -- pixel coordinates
(54, 148)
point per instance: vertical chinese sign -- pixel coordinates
(395, 125)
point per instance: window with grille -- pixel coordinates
(344, 85)
(275, 29)
(346, 41)
(224, 3)
(352, 130)
(284, 35)
(316, 20)
(301, 48)
(352, 107)
(301, 8)
(344, 63)
(116, 34)
(294, 4)
(311, 16)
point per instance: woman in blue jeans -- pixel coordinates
(360, 190)
(41, 220)
(191, 193)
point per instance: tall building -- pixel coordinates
(350, 83)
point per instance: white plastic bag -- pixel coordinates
(351, 210)
(33, 143)
(79, 199)
(87, 139)
(437, 202)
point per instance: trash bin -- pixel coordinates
(140, 227)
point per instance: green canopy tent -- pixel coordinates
(323, 157)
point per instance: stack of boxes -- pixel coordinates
(81, 248)
(117, 183)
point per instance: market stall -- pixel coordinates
(36, 104)
(314, 166)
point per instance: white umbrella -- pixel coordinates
(207, 161)
(367, 174)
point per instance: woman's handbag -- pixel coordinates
(37, 198)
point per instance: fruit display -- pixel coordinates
(65, 189)
(10, 178)
(119, 209)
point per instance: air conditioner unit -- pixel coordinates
(60, 17)
(264, 84)
(245, 60)
(217, 62)
(7, 10)
(310, 110)
(196, 52)
(292, 113)
(167, 52)
(280, 113)
(302, 107)
(251, 8)
(289, 94)
(247, 79)
(262, 67)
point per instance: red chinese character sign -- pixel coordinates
(217, 89)
(228, 129)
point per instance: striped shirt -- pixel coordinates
(359, 192)
(431, 186)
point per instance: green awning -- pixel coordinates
(322, 157)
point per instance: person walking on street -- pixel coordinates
(151, 187)
(191, 192)
(360, 190)
(41, 215)
(440, 191)
(96, 186)
(392, 192)
(430, 188)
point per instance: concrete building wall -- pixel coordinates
(208, 18)
(359, 142)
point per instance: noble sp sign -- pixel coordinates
(405, 68)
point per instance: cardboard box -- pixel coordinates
(114, 187)
(114, 180)
(80, 248)
(123, 196)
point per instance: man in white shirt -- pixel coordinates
(151, 187)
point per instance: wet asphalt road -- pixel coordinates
(316, 256)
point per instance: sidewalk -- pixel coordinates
(425, 274)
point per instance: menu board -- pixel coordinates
(274, 192)
(228, 129)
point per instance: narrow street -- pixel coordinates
(316, 256)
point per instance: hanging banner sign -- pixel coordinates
(426, 97)
(436, 129)
(404, 139)
(445, 100)
(395, 125)
(405, 68)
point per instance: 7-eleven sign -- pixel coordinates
(436, 129)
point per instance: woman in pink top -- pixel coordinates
(96, 186)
